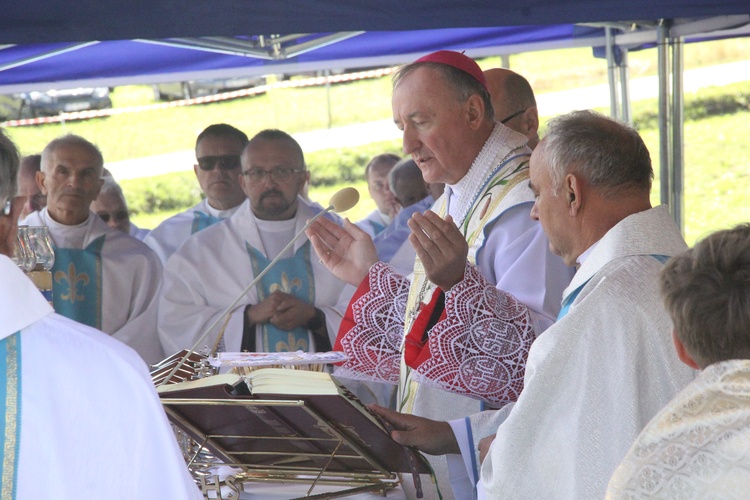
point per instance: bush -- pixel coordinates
(161, 193)
(712, 101)
(336, 166)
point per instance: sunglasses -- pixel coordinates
(226, 162)
(120, 215)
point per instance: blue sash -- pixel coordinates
(568, 301)
(10, 398)
(293, 276)
(77, 283)
(202, 221)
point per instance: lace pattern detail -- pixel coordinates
(480, 349)
(374, 344)
(482, 169)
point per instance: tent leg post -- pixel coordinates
(664, 137)
(678, 144)
(614, 109)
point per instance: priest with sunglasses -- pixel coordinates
(217, 152)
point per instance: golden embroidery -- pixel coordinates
(286, 285)
(72, 279)
(293, 344)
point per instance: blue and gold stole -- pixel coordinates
(77, 283)
(202, 221)
(10, 396)
(293, 276)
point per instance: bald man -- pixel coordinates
(514, 102)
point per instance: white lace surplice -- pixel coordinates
(698, 446)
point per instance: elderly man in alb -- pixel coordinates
(465, 325)
(81, 418)
(604, 369)
(101, 277)
(217, 168)
(294, 306)
(698, 446)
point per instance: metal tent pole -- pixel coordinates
(664, 147)
(677, 202)
(627, 108)
(614, 109)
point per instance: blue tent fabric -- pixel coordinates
(149, 62)
(44, 21)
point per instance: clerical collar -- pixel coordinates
(66, 236)
(585, 255)
(220, 214)
(462, 194)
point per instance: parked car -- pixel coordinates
(199, 88)
(54, 102)
(10, 107)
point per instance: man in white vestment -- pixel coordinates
(485, 284)
(217, 152)
(81, 417)
(112, 208)
(376, 175)
(604, 369)
(294, 306)
(101, 277)
(698, 446)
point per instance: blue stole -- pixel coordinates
(571, 297)
(77, 283)
(10, 398)
(202, 221)
(293, 276)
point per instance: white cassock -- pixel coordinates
(137, 232)
(130, 279)
(212, 268)
(698, 446)
(91, 424)
(593, 379)
(168, 236)
(375, 222)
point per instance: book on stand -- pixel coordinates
(286, 424)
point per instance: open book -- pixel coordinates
(287, 422)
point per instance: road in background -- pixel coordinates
(550, 104)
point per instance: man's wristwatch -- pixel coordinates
(317, 321)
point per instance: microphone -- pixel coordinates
(341, 201)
